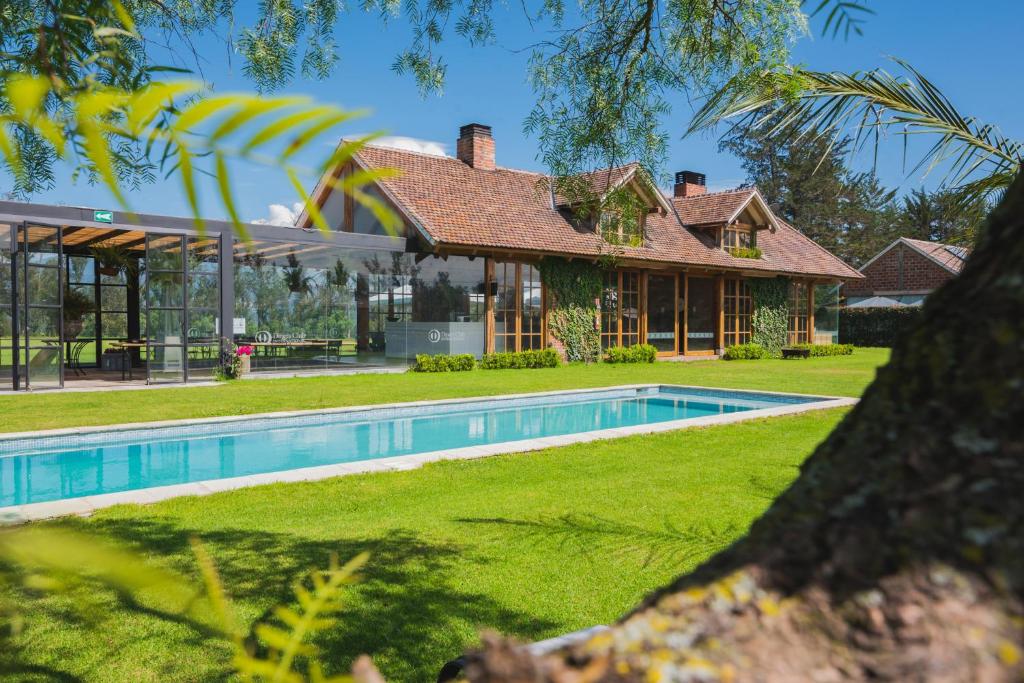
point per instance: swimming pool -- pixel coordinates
(95, 465)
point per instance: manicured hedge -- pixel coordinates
(506, 360)
(746, 352)
(875, 326)
(444, 362)
(818, 350)
(638, 353)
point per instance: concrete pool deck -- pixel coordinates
(86, 505)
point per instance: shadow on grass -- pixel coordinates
(407, 612)
(597, 538)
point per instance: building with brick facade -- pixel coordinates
(904, 273)
(87, 292)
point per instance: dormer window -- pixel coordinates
(623, 227)
(740, 240)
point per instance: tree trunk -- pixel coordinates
(898, 554)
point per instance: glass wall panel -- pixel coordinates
(6, 311)
(80, 312)
(114, 308)
(700, 319)
(307, 307)
(165, 308)
(661, 312)
(203, 293)
(39, 306)
(826, 314)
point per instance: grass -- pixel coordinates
(839, 376)
(532, 545)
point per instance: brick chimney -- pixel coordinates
(476, 146)
(690, 184)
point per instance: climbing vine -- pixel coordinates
(769, 324)
(573, 289)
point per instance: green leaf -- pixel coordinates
(314, 213)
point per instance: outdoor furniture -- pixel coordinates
(75, 357)
(796, 353)
(125, 347)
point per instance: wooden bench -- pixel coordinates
(796, 353)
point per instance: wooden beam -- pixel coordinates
(488, 307)
(720, 297)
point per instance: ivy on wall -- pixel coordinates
(573, 290)
(769, 324)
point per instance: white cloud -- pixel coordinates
(279, 214)
(412, 144)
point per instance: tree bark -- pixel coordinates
(898, 554)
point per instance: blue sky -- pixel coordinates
(971, 53)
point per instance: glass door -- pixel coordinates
(8, 275)
(700, 315)
(166, 309)
(661, 313)
(39, 363)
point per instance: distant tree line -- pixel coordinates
(808, 183)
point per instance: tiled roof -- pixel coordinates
(512, 210)
(713, 207)
(603, 180)
(948, 256)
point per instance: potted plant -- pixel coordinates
(114, 259)
(244, 355)
(76, 305)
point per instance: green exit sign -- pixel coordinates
(103, 216)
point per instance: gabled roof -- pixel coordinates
(716, 208)
(511, 210)
(603, 181)
(950, 257)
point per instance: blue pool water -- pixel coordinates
(53, 468)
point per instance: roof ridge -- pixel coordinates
(718, 193)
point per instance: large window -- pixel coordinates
(6, 301)
(518, 307)
(620, 309)
(798, 313)
(319, 306)
(531, 309)
(738, 309)
(826, 314)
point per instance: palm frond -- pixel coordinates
(189, 125)
(843, 16)
(975, 157)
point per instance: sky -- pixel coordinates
(970, 50)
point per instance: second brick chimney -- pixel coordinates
(690, 184)
(476, 146)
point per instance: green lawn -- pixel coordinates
(532, 545)
(840, 376)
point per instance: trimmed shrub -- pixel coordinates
(515, 360)
(444, 363)
(746, 352)
(875, 326)
(638, 353)
(819, 350)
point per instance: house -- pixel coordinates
(153, 298)
(904, 273)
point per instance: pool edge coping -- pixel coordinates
(337, 410)
(86, 505)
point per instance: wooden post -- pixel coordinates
(684, 349)
(488, 306)
(720, 341)
(811, 337)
